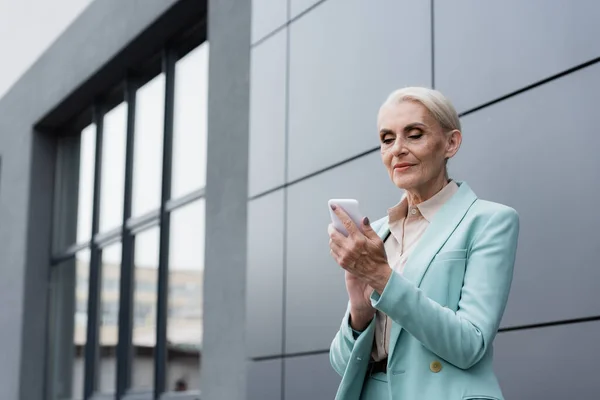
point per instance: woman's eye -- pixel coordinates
(388, 141)
(417, 136)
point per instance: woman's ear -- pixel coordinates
(453, 144)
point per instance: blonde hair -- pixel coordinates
(435, 102)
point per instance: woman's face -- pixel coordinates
(414, 147)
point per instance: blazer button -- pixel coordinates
(435, 366)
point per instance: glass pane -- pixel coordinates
(82, 272)
(189, 135)
(144, 307)
(109, 317)
(186, 276)
(147, 160)
(68, 319)
(113, 168)
(87, 151)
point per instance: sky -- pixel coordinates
(27, 29)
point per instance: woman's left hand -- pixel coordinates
(360, 253)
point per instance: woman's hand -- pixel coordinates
(359, 294)
(362, 255)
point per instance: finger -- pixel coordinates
(348, 223)
(331, 230)
(367, 229)
(335, 250)
(335, 235)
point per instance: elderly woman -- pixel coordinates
(427, 284)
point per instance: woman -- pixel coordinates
(427, 284)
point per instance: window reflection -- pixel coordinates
(189, 137)
(109, 316)
(113, 168)
(79, 271)
(147, 160)
(82, 267)
(87, 151)
(186, 277)
(144, 307)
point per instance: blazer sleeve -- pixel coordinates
(462, 337)
(345, 346)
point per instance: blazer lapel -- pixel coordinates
(437, 233)
(383, 231)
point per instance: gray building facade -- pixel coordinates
(293, 88)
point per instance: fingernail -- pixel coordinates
(366, 221)
(333, 207)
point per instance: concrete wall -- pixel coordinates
(527, 89)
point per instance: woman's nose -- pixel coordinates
(398, 147)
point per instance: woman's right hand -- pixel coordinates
(361, 309)
(359, 293)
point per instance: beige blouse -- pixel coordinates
(407, 226)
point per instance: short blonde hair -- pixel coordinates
(435, 102)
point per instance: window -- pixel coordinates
(186, 275)
(127, 276)
(86, 182)
(146, 261)
(189, 138)
(148, 148)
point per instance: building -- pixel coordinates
(163, 202)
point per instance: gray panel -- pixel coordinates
(310, 377)
(346, 57)
(224, 340)
(299, 6)
(485, 49)
(267, 114)
(538, 152)
(264, 380)
(264, 289)
(316, 297)
(553, 363)
(267, 15)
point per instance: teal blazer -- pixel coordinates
(446, 307)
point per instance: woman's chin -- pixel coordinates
(403, 182)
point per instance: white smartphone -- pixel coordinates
(350, 206)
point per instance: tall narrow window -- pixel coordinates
(189, 130)
(113, 168)
(109, 317)
(86, 183)
(82, 271)
(149, 127)
(186, 278)
(144, 307)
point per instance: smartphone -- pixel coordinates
(350, 206)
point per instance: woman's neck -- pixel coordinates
(423, 193)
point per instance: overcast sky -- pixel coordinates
(27, 29)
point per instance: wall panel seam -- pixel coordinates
(287, 24)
